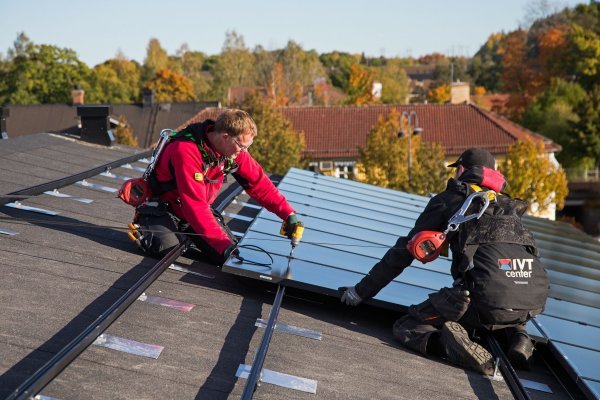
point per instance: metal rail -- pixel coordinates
(508, 372)
(69, 180)
(36, 382)
(261, 353)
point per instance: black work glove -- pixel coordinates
(350, 297)
(231, 251)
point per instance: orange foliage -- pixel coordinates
(170, 86)
(439, 94)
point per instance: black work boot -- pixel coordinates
(520, 350)
(463, 351)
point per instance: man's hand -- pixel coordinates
(350, 297)
(289, 227)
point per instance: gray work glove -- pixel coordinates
(350, 297)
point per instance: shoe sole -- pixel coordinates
(464, 352)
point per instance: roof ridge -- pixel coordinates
(487, 116)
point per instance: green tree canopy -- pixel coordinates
(384, 161)
(115, 81)
(41, 74)
(396, 85)
(156, 58)
(234, 66)
(533, 177)
(277, 147)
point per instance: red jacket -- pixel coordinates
(198, 187)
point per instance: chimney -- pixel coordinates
(95, 124)
(460, 93)
(77, 95)
(147, 97)
(4, 113)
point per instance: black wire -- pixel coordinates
(241, 259)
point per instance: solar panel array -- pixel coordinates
(350, 226)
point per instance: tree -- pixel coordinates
(170, 86)
(360, 86)
(191, 65)
(584, 146)
(486, 65)
(41, 74)
(384, 160)
(553, 113)
(234, 67)
(533, 177)
(277, 147)
(395, 82)
(115, 81)
(439, 94)
(156, 58)
(300, 68)
(124, 134)
(337, 65)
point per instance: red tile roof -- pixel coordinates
(336, 132)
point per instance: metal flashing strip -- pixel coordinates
(539, 386)
(8, 232)
(238, 234)
(279, 379)
(179, 268)
(292, 330)
(109, 174)
(128, 346)
(240, 217)
(42, 397)
(19, 206)
(244, 204)
(161, 301)
(89, 185)
(56, 193)
(144, 160)
(129, 166)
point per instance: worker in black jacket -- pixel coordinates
(499, 282)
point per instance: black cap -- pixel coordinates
(475, 156)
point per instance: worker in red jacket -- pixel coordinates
(189, 173)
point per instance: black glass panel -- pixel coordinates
(570, 332)
(584, 361)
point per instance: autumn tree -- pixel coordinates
(583, 148)
(360, 86)
(384, 160)
(337, 65)
(156, 59)
(533, 177)
(300, 68)
(277, 147)
(124, 133)
(191, 65)
(486, 65)
(439, 94)
(170, 86)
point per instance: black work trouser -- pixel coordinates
(423, 320)
(162, 231)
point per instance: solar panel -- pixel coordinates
(350, 226)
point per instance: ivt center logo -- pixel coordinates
(516, 267)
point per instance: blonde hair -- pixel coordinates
(235, 122)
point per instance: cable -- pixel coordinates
(241, 259)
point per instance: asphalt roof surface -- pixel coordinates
(59, 273)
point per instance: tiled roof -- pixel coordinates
(337, 132)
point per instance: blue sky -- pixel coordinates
(97, 30)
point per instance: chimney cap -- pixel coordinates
(94, 111)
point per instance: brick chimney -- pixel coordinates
(460, 93)
(77, 95)
(95, 124)
(4, 113)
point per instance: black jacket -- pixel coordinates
(492, 286)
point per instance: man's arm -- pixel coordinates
(397, 258)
